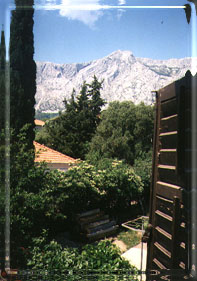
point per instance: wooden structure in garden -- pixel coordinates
(94, 225)
(172, 245)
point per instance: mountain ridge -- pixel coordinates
(126, 77)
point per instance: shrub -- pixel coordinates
(111, 188)
(81, 189)
(97, 260)
(119, 185)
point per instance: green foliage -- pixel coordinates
(34, 210)
(2, 80)
(2, 51)
(2, 99)
(22, 69)
(44, 199)
(54, 196)
(2, 158)
(130, 238)
(111, 188)
(42, 136)
(143, 168)
(37, 196)
(125, 131)
(71, 132)
(119, 185)
(81, 189)
(2, 186)
(95, 259)
(112, 139)
(144, 126)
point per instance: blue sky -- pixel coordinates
(83, 30)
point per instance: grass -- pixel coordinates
(129, 237)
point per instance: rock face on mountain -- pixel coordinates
(125, 76)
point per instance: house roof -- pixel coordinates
(39, 122)
(48, 155)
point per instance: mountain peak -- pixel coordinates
(121, 54)
(125, 76)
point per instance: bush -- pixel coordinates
(33, 211)
(81, 189)
(111, 188)
(96, 259)
(119, 185)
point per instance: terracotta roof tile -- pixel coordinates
(44, 153)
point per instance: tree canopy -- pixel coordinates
(125, 132)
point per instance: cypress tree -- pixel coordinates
(96, 102)
(2, 51)
(22, 69)
(22, 98)
(2, 140)
(2, 80)
(2, 106)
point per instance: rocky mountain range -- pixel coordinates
(125, 76)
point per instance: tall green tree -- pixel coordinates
(2, 80)
(2, 139)
(22, 97)
(72, 131)
(96, 102)
(23, 68)
(2, 51)
(125, 132)
(2, 107)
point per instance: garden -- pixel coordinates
(45, 203)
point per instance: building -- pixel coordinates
(39, 124)
(53, 158)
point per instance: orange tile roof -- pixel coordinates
(44, 153)
(39, 122)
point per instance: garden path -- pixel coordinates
(133, 255)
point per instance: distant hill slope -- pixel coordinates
(126, 77)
